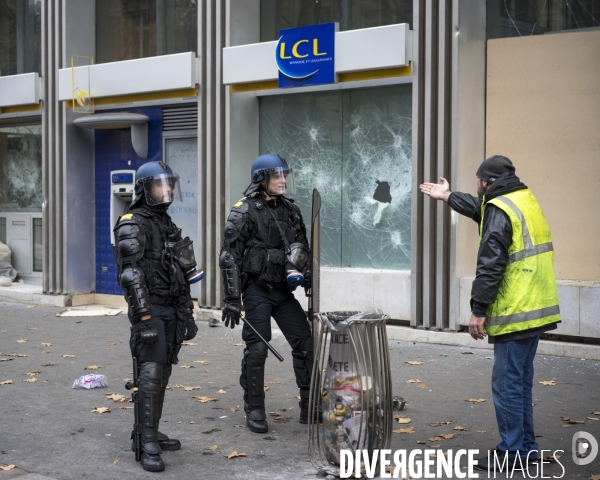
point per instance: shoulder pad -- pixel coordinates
(235, 221)
(241, 206)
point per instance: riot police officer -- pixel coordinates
(155, 267)
(264, 258)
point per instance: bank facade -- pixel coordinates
(89, 91)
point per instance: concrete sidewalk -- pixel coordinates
(48, 429)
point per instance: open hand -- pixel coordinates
(437, 191)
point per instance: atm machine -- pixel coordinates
(122, 184)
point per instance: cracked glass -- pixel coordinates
(520, 18)
(355, 147)
(21, 169)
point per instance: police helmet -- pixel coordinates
(157, 184)
(274, 171)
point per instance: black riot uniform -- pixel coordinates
(160, 310)
(253, 262)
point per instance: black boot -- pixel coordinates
(303, 365)
(166, 443)
(305, 409)
(253, 371)
(149, 389)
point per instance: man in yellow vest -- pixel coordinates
(514, 297)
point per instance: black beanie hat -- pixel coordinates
(493, 167)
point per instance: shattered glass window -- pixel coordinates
(355, 147)
(21, 169)
(518, 18)
(350, 14)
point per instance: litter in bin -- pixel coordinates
(92, 380)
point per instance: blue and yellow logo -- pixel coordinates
(306, 55)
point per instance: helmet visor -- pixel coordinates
(162, 189)
(280, 181)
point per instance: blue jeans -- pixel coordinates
(512, 381)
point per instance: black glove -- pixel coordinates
(148, 334)
(231, 314)
(191, 329)
(307, 280)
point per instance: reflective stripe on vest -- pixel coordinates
(527, 297)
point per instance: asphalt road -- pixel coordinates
(48, 429)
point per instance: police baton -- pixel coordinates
(275, 352)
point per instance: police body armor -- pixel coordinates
(264, 258)
(144, 242)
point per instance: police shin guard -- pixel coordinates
(254, 397)
(303, 365)
(165, 443)
(148, 394)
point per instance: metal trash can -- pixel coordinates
(351, 383)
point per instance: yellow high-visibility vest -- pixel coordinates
(527, 297)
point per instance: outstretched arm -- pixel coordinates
(463, 203)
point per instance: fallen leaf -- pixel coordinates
(32, 374)
(93, 367)
(118, 398)
(435, 439)
(178, 423)
(422, 386)
(31, 328)
(16, 355)
(266, 388)
(126, 408)
(47, 351)
(577, 422)
(298, 397)
(189, 344)
(30, 380)
(547, 383)
(405, 430)
(537, 435)
(595, 413)
(211, 431)
(204, 399)
(30, 306)
(45, 344)
(68, 356)
(189, 389)
(565, 419)
(458, 427)
(437, 445)
(238, 344)
(274, 382)
(414, 362)
(116, 343)
(239, 426)
(192, 422)
(447, 436)
(235, 454)
(552, 459)
(2, 331)
(592, 418)
(115, 461)
(7, 467)
(213, 448)
(222, 392)
(23, 340)
(416, 380)
(594, 477)
(49, 365)
(468, 353)
(399, 415)
(404, 420)
(100, 410)
(203, 362)
(81, 430)
(476, 400)
(187, 366)
(5, 359)
(421, 442)
(282, 419)
(567, 425)
(233, 409)
(6, 382)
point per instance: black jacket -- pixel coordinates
(492, 257)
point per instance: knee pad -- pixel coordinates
(258, 350)
(150, 377)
